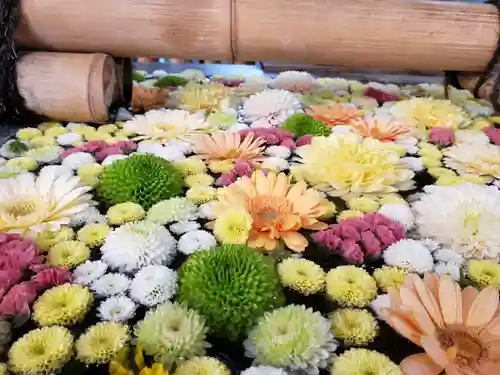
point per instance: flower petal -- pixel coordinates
(435, 351)
(450, 299)
(483, 308)
(420, 364)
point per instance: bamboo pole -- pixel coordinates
(68, 86)
(386, 34)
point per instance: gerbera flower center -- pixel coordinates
(267, 211)
(469, 349)
(22, 207)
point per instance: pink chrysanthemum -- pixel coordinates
(441, 136)
(493, 134)
(380, 96)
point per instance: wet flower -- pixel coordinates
(484, 273)
(94, 234)
(294, 81)
(122, 213)
(350, 286)
(117, 309)
(441, 136)
(409, 254)
(101, 342)
(354, 326)
(89, 271)
(336, 114)
(381, 129)
(270, 108)
(364, 361)
(475, 159)
(301, 275)
(172, 210)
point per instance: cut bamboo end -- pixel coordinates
(68, 86)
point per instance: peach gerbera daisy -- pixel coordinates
(336, 114)
(458, 329)
(278, 209)
(229, 146)
(385, 131)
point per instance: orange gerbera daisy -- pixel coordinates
(384, 131)
(458, 329)
(229, 146)
(278, 209)
(336, 114)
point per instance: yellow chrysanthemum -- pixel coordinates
(42, 141)
(68, 254)
(364, 362)
(391, 199)
(221, 166)
(427, 113)
(94, 234)
(44, 126)
(41, 351)
(46, 239)
(107, 128)
(429, 162)
(348, 214)
(22, 163)
(25, 134)
(429, 150)
(93, 169)
(202, 366)
(363, 204)
(348, 165)
(201, 194)
(190, 166)
(3, 369)
(448, 180)
(484, 273)
(82, 129)
(125, 212)
(350, 286)
(437, 172)
(201, 179)
(354, 326)
(476, 159)
(200, 97)
(102, 342)
(233, 226)
(387, 277)
(97, 136)
(56, 131)
(65, 304)
(120, 364)
(301, 275)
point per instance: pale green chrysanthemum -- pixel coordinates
(363, 362)
(172, 333)
(102, 342)
(292, 337)
(44, 154)
(354, 326)
(202, 366)
(172, 210)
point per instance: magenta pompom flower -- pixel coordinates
(441, 136)
(493, 134)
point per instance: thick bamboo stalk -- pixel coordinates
(387, 34)
(68, 86)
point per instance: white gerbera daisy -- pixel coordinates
(135, 245)
(90, 215)
(110, 284)
(473, 158)
(409, 254)
(153, 285)
(117, 309)
(196, 240)
(76, 160)
(463, 217)
(270, 108)
(30, 204)
(182, 227)
(165, 125)
(89, 271)
(69, 139)
(264, 370)
(172, 210)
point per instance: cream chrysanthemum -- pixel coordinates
(172, 210)
(122, 213)
(94, 234)
(65, 304)
(350, 286)
(68, 254)
(388, 277)
(347, 165)
(464, 217)
(30, 204)
(301, 275)
(47, 238)
(270, 108)
(354, 326)
(165, 125)
(474, 159)
(364, 362)
(102, 342)
(41, 351)
(202, 366)
(294, 81)
(293, 337)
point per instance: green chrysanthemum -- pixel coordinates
(170, 80)
(232, 286)
(172, 333)
(292, 337)
(202, 366)
(302, 124)
(142, 179)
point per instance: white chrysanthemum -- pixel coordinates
(13, 148)
(149, 146)
(172, 210)
(383, 301)
(135, 245)
(170, 153)
(399, 212)
(278, 152)
(153, 285)
(159, 73)
(31, 204)
(90, 215)
(471, 136)
(184, 226)
(334, 84)
(294, 81)
(180, 145)
(206, 211)
(264, 370)
(196, 240)
(464, 217)
(409, 254)
(193, 75)
(258, 83)
(110, 159)
(237, 127)
(76, 160)
(45, 154)
(165, 125)
(110, 284)
(275, 164)
(409, 144)
(270, 108)
(448, 255)
(449, 268)
(69, 139)
(476, 159)
(89, 271)
(413, 163)
(117, 309)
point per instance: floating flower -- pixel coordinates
(301, 124)
(456, 328)
(196, 240)
(292, 337)
(66, 304)
(89, 271)
(463, 217)
(42, 350)
(474, 159)
(270, 108)
(30, 204)
(263, 370)
(278, 209)
(5, 335)
(202, 366)
(190, 166)
(400, 212)
(294, 81)
(493, 134)
(409, 254)
(346, 165)
(381, 129)
(87, 216)
(68, 254)
(172, 210)
(196, 180)
(164, 125)
(45, 154)
(122, 213)
(22, 163)
(354, 326)
(350, 286)
(441, 136)
(201, 97)
(110, 284)
(336, 114)
(94, 234)
(182, 227)
(117, 309)
(484, 273)
(302, 275)
(101, 342)
(233, 226)
(25, 134)
(388, 277)
(364, 361)
(153, 285)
